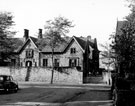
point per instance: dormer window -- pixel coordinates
(29, 53)
(72, 50)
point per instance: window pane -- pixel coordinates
(56, 62)
(29, 53)
(73, 50)
(72, 62)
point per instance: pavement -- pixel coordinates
(76, 86)
(74, 103)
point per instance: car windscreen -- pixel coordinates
(8, 78)
(5, 78)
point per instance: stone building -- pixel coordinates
(67, 55)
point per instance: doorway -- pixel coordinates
(28, 64)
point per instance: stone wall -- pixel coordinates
(69, 76)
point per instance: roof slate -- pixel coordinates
(63, 46)
(82, 42)
(34, 40)
(56, 49)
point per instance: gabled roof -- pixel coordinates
(63, 47)
(34, 40)
(82, 43)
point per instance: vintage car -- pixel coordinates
(7, 84)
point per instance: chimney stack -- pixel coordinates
(26, 34)
(40, 34)
(89, 38)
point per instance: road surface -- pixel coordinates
(40, 94)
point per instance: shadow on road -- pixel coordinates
(58, 96)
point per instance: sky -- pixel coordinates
(96, 18)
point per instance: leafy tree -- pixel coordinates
(132, 3)
(124, 45)
(56, 30)
(6, 43)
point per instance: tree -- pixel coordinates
(124, 45)
(6, 43)
(107, 56)
(56, 30)
(132, 3)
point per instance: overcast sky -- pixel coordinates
(91, 17)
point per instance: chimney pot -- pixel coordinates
(89, 38)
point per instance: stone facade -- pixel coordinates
(71, 76)
(72, 56)
(37, 59)
(24, 60)
(65, 57)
